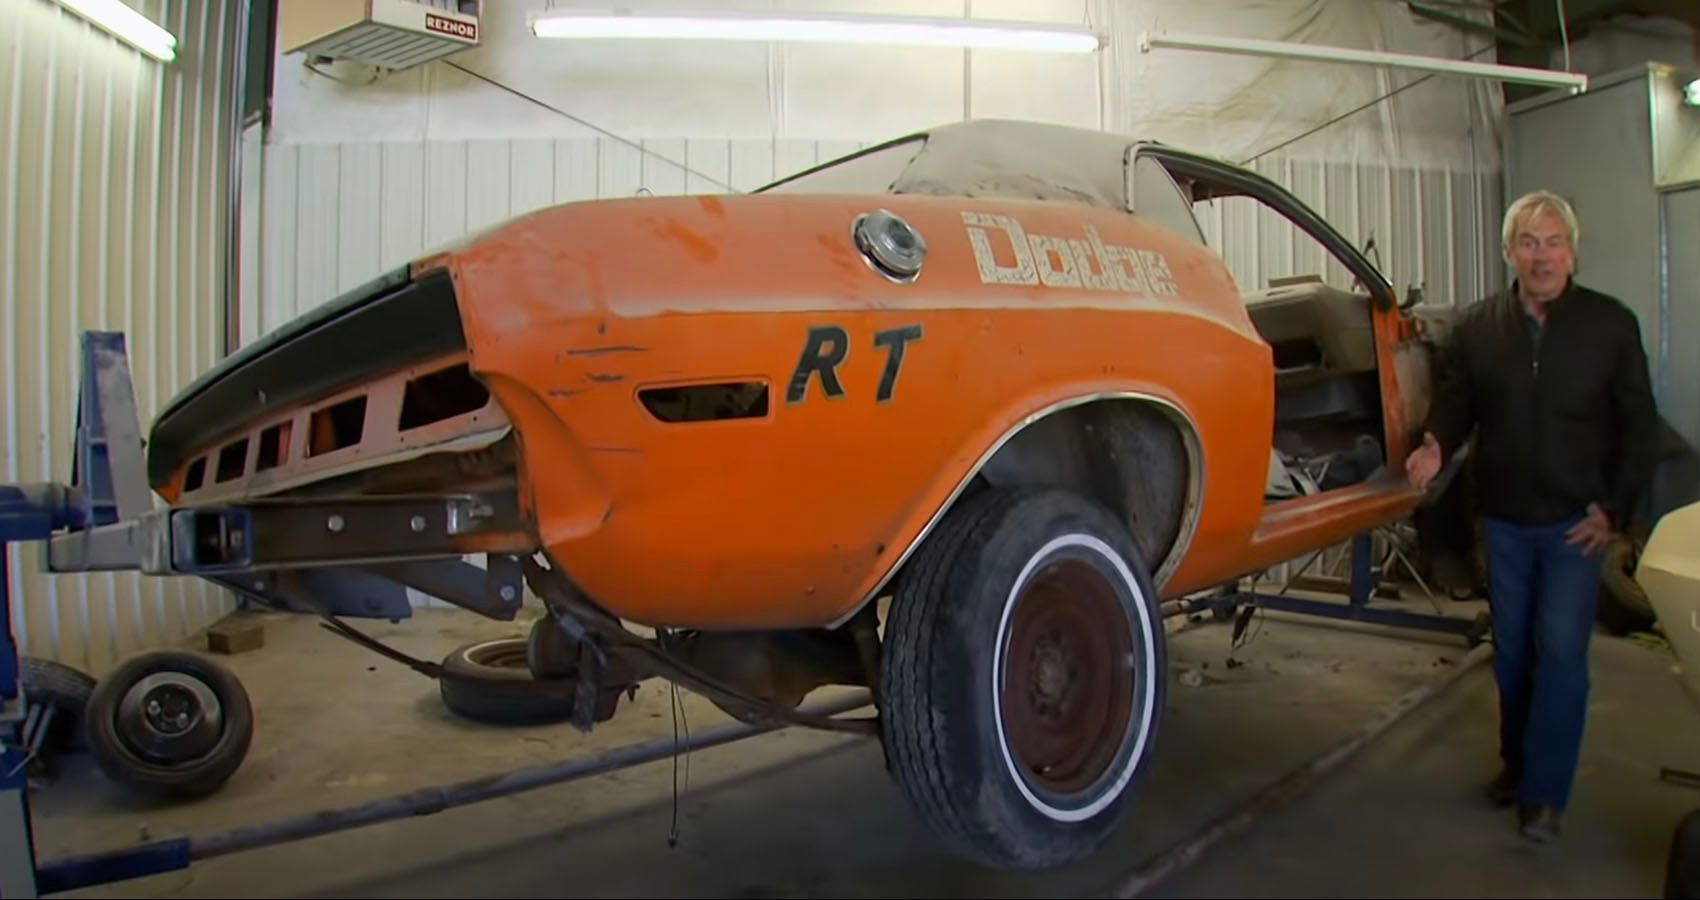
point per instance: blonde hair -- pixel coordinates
(1538, 203)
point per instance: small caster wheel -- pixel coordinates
(169, 724)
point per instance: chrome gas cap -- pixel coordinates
(890, 245)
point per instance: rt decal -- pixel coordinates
(827, 347)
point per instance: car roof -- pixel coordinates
(995, 158)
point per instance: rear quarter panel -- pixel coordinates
(795, 518)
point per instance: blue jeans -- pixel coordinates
(1543, 593)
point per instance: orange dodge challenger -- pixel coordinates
(991, 373)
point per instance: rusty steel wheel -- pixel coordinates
(1066, 696)
(1022, 677)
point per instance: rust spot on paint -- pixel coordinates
(833, 244)
(561, 392)
(606, 379)
(601, 327)
(695, 244)
(843, 259)
(713, 207)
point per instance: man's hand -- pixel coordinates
(1593, 533)
(1424, 463)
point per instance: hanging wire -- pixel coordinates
(1354, 111)
(1564, 30)
(678, 707)
(591, 125)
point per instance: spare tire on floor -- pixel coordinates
(491, 681)
(67, 691)
(170, 724)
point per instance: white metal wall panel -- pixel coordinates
(710, 162)
(401, 204)
(1433, 228)
(115, 205)
(335, 215)
(361, 208)
(663, 166)
(531, 175)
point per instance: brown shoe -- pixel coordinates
(1502, 790)
(1538, 823)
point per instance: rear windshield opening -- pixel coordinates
(232, 460)
(274, 446)
(707, 402)
(440, 396)
(337, 427)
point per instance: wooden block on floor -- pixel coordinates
(236, 633)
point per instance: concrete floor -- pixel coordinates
(801, 813)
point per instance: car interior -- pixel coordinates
(1328, 414)
(1328, 411)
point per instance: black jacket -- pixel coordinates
(1564, 417)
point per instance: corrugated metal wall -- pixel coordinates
(114, 203)
(1431, 228)
(337, 214)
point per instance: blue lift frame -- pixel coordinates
(108, 486)
(1357, 607)
(108, 446)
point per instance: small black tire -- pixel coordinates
(1682, 866)
(67, 690)
(1011, 728)
(175, 772)
(491, 682)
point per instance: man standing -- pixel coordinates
(1552, 378)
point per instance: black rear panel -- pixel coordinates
(377, 327)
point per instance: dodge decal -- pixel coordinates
(1057, 261)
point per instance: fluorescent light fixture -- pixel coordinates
(128, 25)
(1320, 53)
(835, 28)
(1692, 93)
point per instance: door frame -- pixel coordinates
(1201, 177)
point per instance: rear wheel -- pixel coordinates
(1023, 677)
